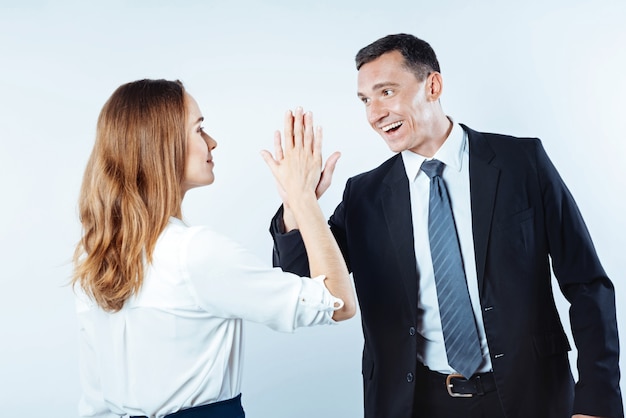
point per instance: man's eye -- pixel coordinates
(387, 92)
(365, 100)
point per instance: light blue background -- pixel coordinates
(549, 69)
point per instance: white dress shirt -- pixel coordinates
(454, 153)
(178, 343)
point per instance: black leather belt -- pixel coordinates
(459, 387)
(479, 384)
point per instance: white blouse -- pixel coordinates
(178, 343)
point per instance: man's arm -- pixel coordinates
(289, 252)
(590, 292)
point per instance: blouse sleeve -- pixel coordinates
(231, 282)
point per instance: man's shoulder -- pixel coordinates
(376, 175)
(485, 145)
(492, 137)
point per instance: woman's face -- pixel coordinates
(199, 161)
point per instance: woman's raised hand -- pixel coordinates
(297, 164)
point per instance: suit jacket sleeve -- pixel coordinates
(591, 294)
(289, 252)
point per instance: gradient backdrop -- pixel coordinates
(549, 69)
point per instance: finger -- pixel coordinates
(327, 174)
(309, 137)
(288, 130)
(269, 160)
(298, 127)
(331, 163)
(273, 165)
(278, 146)
(317, 142)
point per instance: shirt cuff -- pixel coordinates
(328, 300)
(316, 304)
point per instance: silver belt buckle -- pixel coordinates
(449, 386)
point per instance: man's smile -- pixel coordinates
(392, 126)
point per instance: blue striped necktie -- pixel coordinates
(455, 308)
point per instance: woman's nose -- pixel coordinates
(211, 143)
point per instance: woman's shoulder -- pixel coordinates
(178, 232)
(197, 243)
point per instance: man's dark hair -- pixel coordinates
(418, 55)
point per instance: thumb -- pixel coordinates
(270, 161)
(327, 174)
(268, 158)
(331, 163)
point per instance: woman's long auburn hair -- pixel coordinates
(131, 186)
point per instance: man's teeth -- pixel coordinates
(391, 126)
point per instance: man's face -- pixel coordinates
(398, 106)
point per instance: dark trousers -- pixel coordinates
(432, 399)
(230, 408)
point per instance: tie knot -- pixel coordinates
(432, 168)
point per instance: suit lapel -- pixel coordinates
(483, 185)
(396, 204)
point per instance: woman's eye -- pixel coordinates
(200, 129)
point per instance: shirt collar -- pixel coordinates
(450, 153)
(177, 221)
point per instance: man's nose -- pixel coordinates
(375, 111)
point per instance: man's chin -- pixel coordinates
(396, 147)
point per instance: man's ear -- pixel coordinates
(434, 86)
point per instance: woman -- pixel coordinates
(160, 303)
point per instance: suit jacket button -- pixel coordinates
(412, 331)
(409, 377)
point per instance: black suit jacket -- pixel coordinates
(523, 219)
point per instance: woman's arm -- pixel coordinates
(297, 168)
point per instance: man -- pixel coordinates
(513, 215)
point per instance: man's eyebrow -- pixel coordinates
(380, 86)
(384, 84)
